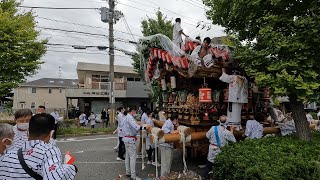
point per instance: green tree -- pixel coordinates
(160, 24)
(20, 50)
(281, 46)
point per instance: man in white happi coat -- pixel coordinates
(201, 55)
(218, 137)
(238, 95)
(131, 128)
(177, 33)
(37, 158)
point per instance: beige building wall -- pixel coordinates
(23, 96)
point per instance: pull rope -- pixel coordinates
(183, 139)
(155, 139)
(142, 149)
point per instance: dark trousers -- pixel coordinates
(55, 131)
(107, 122)
(92, 126)
(209, 166)
(151, 154)
(122, 149)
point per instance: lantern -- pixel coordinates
(173, 82)
(163, 84)
(205, 95)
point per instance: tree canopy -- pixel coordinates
(20, 50)
(160, 24)
(282, 46)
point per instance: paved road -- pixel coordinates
(96, 158)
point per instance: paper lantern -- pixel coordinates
(163, 84)
(205, 95)
(173, 82)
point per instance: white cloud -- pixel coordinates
(190, 15)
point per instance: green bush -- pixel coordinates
(269, 158)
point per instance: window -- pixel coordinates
(22, 105)
(60, 90)
(33, 105)
(130, 79)
(34, 90)
(100, 82)
(50, 90)
(137, 79)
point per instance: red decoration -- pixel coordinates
(184, 63)
(205, 95)
(164, 56)
(169, 58)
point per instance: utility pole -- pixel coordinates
(109, 15)
(111, 57)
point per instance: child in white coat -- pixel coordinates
(92, 119)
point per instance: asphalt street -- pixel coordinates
(96, 158)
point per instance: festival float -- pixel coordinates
(192, 89)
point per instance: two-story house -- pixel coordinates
(48, 92)
(94, 88)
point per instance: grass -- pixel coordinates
(81, 130)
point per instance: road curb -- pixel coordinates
(84, 134)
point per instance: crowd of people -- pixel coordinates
(28, 150)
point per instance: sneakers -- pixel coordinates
(156, 164)
(120, 159)
(149, 162)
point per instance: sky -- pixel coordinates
(191, 12)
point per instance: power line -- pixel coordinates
(128, 28)
(148, 11)
(84, 25)
(72, 52)
(61, 8)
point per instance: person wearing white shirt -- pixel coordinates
(254, 130)
(166, 148)
(130, 128)
(92, 119)
(121, 147)
(149, 145)
(218, 137)
(82, 119)
(6, 138)
(37, 158)
(58, 119)
(22, 118)
(177, 33)
(318, 115)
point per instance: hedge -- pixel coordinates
(269, 158)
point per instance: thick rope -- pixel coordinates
(183, 140)
(155, 139)
(142, 149)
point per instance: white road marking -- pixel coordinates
(81, 140)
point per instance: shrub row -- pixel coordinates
(269, 158)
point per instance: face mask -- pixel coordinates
(23, 126)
